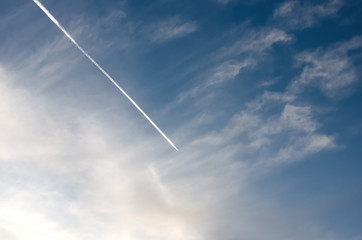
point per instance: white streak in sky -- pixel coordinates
(104, 72)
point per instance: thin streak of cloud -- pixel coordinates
(256, 41)
(269, 83)
(168, 29)
(246, 2)
(227, 71)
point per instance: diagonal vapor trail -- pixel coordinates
(104, 72)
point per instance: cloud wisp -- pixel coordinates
(329, 69)
(169, 29)
(104, 72)
(296, 15)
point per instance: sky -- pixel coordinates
(262, 98)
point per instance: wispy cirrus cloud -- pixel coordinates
(329, 69)
(249, 2)
(242, 55)
(222, 74)
(291, 128)
(170, 28)
(297, 15)
(256, 41)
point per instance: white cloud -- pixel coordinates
(301, 147)
(226, 72)
(256, 41)
(170, 29)
(251, 49)
(247, 2)
(293, 129)
(297, 15)
(225, 2)
(329, 69)
(22, 221)
(255, 136)
(269, 83)
(298, 117)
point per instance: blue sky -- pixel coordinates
(262, 98)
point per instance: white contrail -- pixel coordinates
(104, 72)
